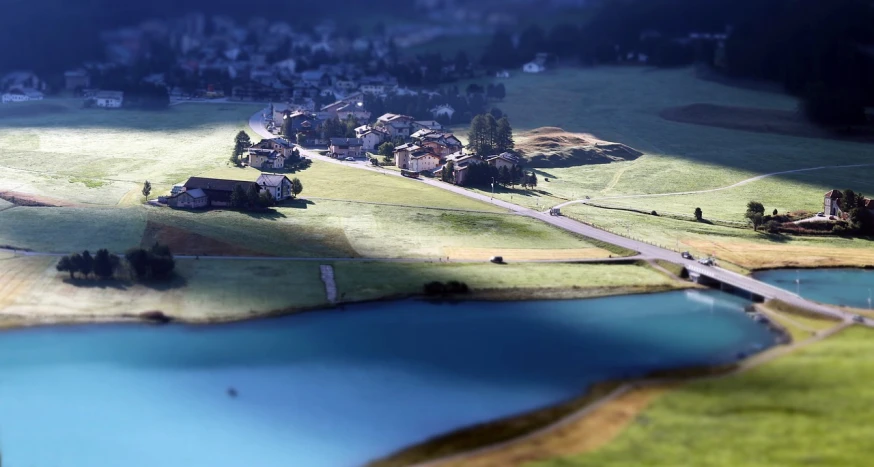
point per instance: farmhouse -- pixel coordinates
(832, 203)
(403, 153)
(427, 125)
(218, 190)
(194, 198)
(279, 186)
(109, 99)
(345, 147)
(438, 142)
(281, 145)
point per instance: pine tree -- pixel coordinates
(87, 264)
(532, 180)
(252, 195)
(238, 197)
(103, 264)
(504, 136)
(65, 265)
(491, 137)
(477, 136)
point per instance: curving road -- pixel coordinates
(647, 251)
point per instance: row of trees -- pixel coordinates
(861, 219)
(156, 262)
(490, 136)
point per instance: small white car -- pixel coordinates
(820, 214)
(350, 159)
(706, 261)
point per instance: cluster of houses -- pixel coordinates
(199, 192)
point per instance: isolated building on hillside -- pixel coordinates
(346, 147)
(21, 95)
(832, 203)
(194, 198)
(266, 158)
(218, 190)
(279, 186)
(443, 111)
(109, 99)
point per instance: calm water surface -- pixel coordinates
(334, 388)
(847, 287)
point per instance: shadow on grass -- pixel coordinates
(299, 203)
(174, 282)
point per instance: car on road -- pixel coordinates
(858, 319)
(497, 259)
(687, 255)
(707, 261)
(820, 214)
(350, 159)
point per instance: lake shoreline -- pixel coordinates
(10, 322)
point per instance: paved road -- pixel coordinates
(646, 251)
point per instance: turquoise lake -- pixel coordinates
(846, 287)
(334, 388)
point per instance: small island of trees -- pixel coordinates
(155, 263)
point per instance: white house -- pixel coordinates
(533, 67)
(21, 95)
(421, 161)
(279, 186)
(109, 99)
(371, 138)
(502, 74)
(443, 110)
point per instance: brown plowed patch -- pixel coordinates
(184, 242)
(779, 122)
(555, 147)
(29, 199)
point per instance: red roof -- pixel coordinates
(834, 194)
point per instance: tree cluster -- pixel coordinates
(860, 218)
(336, 128)
(484, 175)
(102, 265)
(488, 136)
(449, 288)
(156, 262)
(252, 198)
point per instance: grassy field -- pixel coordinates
(739, 245)
(333, 181)
(56, 148)
(212, 289)
(809, 408)
(621, 104)
(365, 281)
(208, 290)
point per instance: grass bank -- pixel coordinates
(793, 411)
(218, 290)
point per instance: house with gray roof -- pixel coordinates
(279, 186)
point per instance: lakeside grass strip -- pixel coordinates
(540, 442)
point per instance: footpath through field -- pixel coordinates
(646, 250)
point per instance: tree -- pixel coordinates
(699, 215)
(160, 260)
(147, 189)
(238, 197)
(241, 143)
(138, 260)
(491, 134)
(848, 200)
(296, 187)
(775, 212)
(834, 106)
(515, 175)
(104, 266)
(504, 136)
(448, 171)
(532, 180)
(755, 214)
(477, 136)
(300, 138)
(252, 195)
(86, 266)
(504, 176)
(65, 265)
(386, 149)
(75, 263)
